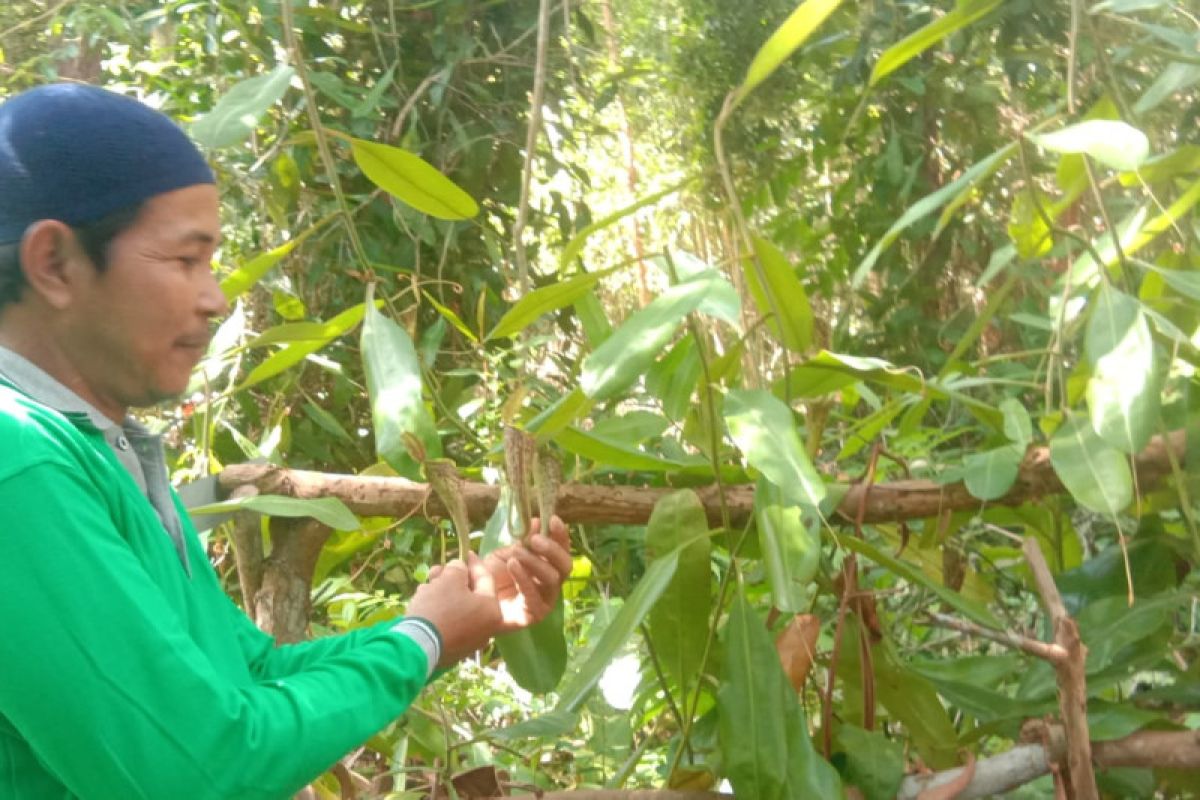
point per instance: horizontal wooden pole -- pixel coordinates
(631, 505)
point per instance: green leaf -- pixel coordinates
(559, 294)
(1123, 391)
(394, 384)
(625, 355)
(1017, 425)
(679, 620)
(409, 178)
(297, 350)
(874, 763)
(643, 597)
(236, 114)
(913, 574)
(765, 744)
(794, 31)
(449, 315)
(536, 656)
(561, 413)
(1113, 143)
(779, 296)
(328, 510)
(764, 430)
(615, 454)
(751, 702)
(1028, 231)
(1095, 473)
(251, 272)
(575, 246)
(913, 701)
(1175, 78)
(673, 378)
(914, 44)
(791, 549)
(991, 474)
(1185, 282)
(632, 428)
(930, 203)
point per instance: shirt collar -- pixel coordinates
(42, 387)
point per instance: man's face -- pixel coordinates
(142, 324)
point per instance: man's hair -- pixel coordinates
(93, 237)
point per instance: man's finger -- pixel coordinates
(535, 603)
(481, 577)
(434, 571)
(538, 568)
(456, 571)
(550, 550)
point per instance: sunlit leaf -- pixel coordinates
(794, 31)
(328, 510)
(408, 177)
(552, 297)
(1095, 473)
(1123, 391)
(614, 454)
(625, 355)
(643, 597)
(451, 317)
(790, 544)
(236, 114)
(679, 620)
(1113, 143)
(914, 44)
(301, 348)
(394, 384)
(779, 296)
(575, 246)
(765, 431)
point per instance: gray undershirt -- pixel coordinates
(138, 450)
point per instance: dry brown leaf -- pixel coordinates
(797, 647)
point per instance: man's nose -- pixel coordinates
(212, 302)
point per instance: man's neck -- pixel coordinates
(41, 351)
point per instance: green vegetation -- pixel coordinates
(798, 249)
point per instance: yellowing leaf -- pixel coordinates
(794, 31)
(408, 177)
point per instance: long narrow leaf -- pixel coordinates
(916, 43)
(794, 32)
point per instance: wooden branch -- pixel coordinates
(631, 505)
(1047, 651)
(1072, 678)
(1027, 762)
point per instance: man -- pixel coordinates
(125, 672)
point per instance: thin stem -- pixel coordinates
(531, 140)
(314, 120)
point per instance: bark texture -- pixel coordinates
(631, 505)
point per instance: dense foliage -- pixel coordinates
(790, 247)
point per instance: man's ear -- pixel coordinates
(50, 258)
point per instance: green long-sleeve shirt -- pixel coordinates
(122, 676)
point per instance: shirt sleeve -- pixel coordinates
(119, 702)
(268, 660)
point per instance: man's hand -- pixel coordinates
(460, 600)
(529, 576)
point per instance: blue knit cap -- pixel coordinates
(77, 153)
